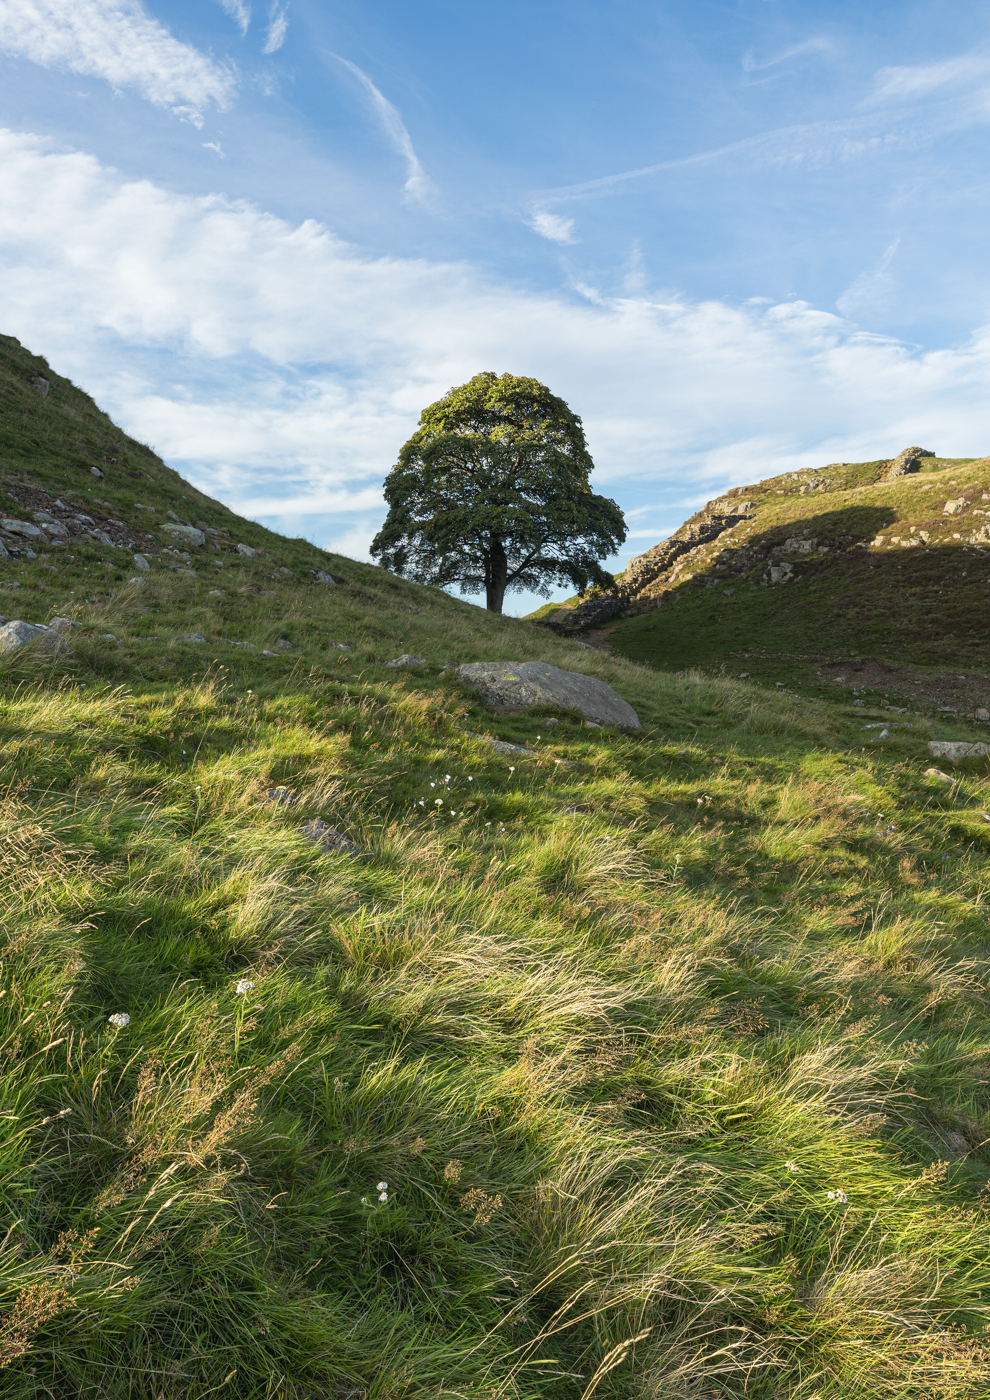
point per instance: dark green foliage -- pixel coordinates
(491, 492)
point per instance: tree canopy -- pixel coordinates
(491, 492)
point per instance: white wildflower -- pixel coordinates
(839, 1196)
(382, 1186)
(364, 1200)
(119, 1020)
(243, 986)
(382, 1197)
(791, 1166)
(438, 801)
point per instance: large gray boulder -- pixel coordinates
(955, 749)
(186, 534)
(531, 683)
(15, 635)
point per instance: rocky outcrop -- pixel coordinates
(906, 462)
(528, 684)
(954, 750)
(646, 568)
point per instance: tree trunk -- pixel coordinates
(498, 571)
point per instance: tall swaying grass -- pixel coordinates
(545, 1098)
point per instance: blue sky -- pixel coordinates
(738, 238)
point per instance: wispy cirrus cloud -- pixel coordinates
(906, 83)
(751, 64)
(239, 12)
(419, 187)
(278, 26)
(871, 289)
(116, 40)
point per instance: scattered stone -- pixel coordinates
(884, 734)
(551, 722)
(726, 507)
(192, 637)
(247, 551)
(954, 507)
(531, 683)
(322, 834)
(3, 552)
(937, 773)
(95, 471)
(798, 545)
(216, 593)
(322, 576)
(54, 529)
(906, 462)
(339, 646)
(188, 534)
(280, 797)
(10, 584)
(284, 644)
(985, 816)
(138, 579)
(780, 573)
(954, 750)
(501, 745)
(591, 724)
(42, 385)
(22, 527)
(15, 634)
(406, 660)
(982, 714)
(141, 562)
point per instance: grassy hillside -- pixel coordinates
(638, 1064)
(877, 569)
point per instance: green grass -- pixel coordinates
(611, 1034)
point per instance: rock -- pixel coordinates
(799, 546)
(247, 551)
(531, 683)
(981, 714)
(322, 834)
(906, 462)
(954, 750)
(188, 534)
(323, 577)
(193, 637)
(780, 573)
(138, 580)
(103, 538)
(55, 530)
(95, 471)
(63, 625)
(981, 536)
(284, 644)
(4, 554)
(406, 660)
(42, 385)
(591, 724)
(954, 507)
(22, 527)
(726, 507)
(141, 562)
(15, 635)
(501, 746)
(279, 797)
(937, 773)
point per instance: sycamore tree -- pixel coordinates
(491, 492)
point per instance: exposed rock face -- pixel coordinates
(906, 462)
(15, 635)
(954, 507)
(531, 683)
(188, 534)
(641, 571)
(42, 385)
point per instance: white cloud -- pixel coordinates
(117, 41)
(282, 368)
(278, 26)
(419, 187)
(552, 226)
(816, 45)
(214, 146)
(922, 79)
(870, 291)
(239, 12)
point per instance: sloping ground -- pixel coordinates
(647, 1063)
(824, 567)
